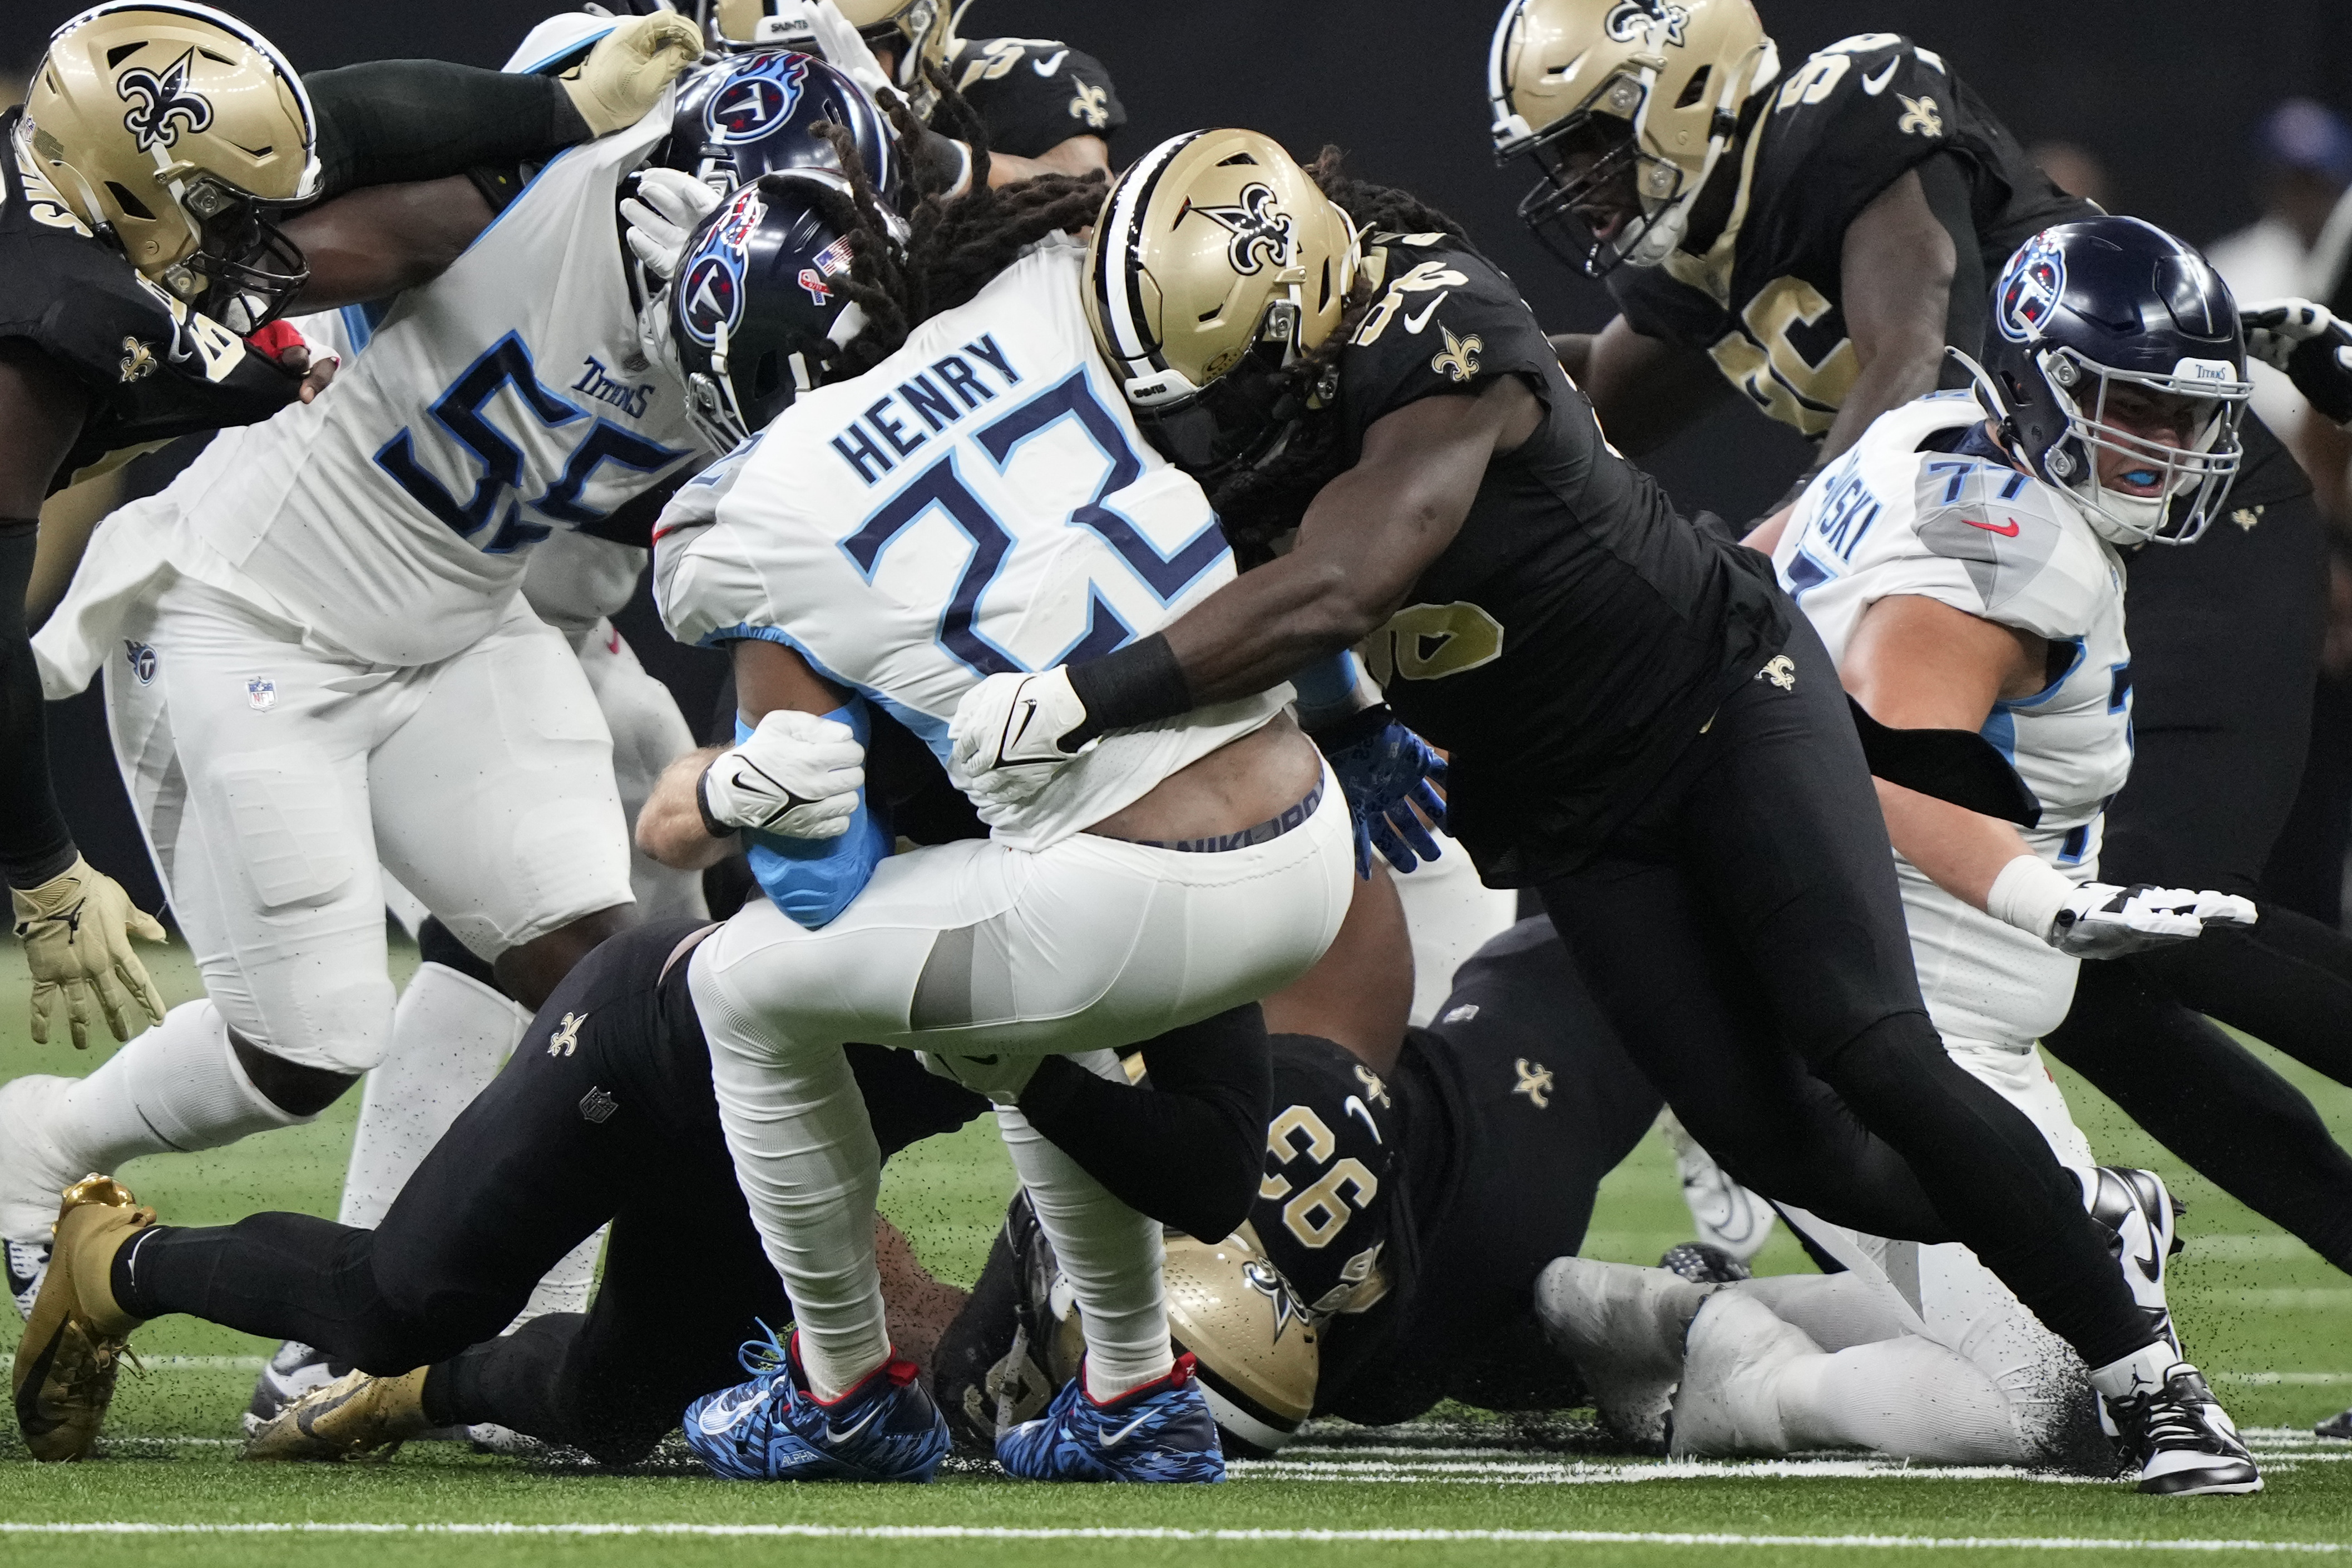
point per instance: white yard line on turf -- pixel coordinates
(213, 1363)
(1010, 1532)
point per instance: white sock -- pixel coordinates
(566, 1287)
(1110, 1254)
(1908, 1396)
(177, 1087)
(1836, 1310)
(808, 1165)
(449, 1034)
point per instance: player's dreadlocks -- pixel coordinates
(1258, 505)
(953, 244)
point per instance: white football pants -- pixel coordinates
(975, 948)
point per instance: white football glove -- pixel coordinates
(77, 929)
(2309, 344)
(838, 41)
(1006, 740)
(2100, 920)
(625, 74)
(998, 1075)
(797, 776)
(670, 205)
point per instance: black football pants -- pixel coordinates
(620, 1127)
(1745, 936)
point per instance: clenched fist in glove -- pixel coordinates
(2310, 345)
(625, 74)
(796, 776)
(2099, 920)
(1006, 740)
(77, 929)
(670, 205)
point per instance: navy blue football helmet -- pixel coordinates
(2084, 309)
(758, 311)
(753, 114)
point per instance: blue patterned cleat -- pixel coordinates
(773, 1429)
(1163, 1431)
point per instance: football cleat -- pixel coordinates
(295, 1370)
(1727, 1216)
(1704, 1265)
(2141, 1211)
(1163, 1431)
(1623, 1327)
(2336, 1425)
(355, 1416)
(2183, 1441)
(1730, 1401)
(885, 1429)
(77, 1335)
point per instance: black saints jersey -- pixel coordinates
(1757, 284)
(1577, 634)
(152, 367)
(1033, 94)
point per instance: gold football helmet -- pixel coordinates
(919, 32)
(1215, 265)
(176, 128)
(1626, 105)
(1259, 1356)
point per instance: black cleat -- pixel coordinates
(2336, 1425)
(1702, 1264)
(2183, 1441)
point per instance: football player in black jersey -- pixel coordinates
(1044, 107)
(1812, 239)
(1640, 727)
(1415, 1184)
(142, 266)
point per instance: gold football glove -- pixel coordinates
(77, 929)
(623, 76)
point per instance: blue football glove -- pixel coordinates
(1386, 770)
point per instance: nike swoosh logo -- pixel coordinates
(2008, 533)
(1873, 86)
(727, 1417)
(840, 1436)
(1356, 1107)
(1413, 324)
(1028, 717)
(1050, 64)
(1124, 1433)
(2149, 1265)
(29, 1394)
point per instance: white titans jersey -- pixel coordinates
(980, 502)
(1888, 519)
(504, 400)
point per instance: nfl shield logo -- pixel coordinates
(260, 693)
(143, 662)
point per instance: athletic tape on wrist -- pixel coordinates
(1135, 684)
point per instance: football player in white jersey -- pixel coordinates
(978, 504)
(1961, 564)
(316, 660)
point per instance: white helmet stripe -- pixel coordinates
(1120, 251)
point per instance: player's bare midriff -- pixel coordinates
(1237, 786)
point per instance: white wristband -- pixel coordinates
(2028, 894)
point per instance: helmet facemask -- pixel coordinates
(2201, 470)
(1242, 418)
(244, 271)
(1560, 208)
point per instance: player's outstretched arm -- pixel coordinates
(670, 826)
(375, 243)
(1898, 263)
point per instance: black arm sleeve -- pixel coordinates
(1188, 1150)
(393, 121)
(34, 843)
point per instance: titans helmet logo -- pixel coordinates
(162, 106)
(759, 97)
(710, 284)
(1647, 18)
(1261, 231)
(2030, 287)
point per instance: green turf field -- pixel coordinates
(2271, 1323)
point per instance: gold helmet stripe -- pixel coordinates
(1122, 252)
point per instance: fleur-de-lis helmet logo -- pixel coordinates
(162, 106)
(1660, 23)
(1262, 231)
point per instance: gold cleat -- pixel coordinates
(353, 1417)
(77, 1335)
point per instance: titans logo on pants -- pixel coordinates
(759, 97)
